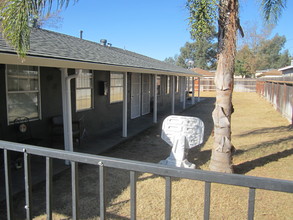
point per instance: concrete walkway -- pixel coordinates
(90, 144)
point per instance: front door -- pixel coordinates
(146, 94)
(135, 95)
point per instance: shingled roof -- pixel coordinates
(51, 45)
(202, 72)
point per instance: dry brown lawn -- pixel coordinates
(264, 143)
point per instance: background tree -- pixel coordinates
(202, 52)
(172, 60)
(255, 33)
(269, 53)
(202, 15)
(245, 63)
(266, 54)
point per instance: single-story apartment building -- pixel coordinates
(69, 78)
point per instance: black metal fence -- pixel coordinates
(133, 167)
(279, 92)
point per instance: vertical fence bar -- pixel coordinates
(102, 191)
(28, 184)
(49, 188)
(192, 89)
(284, 107)
(271, 92)
(9, 204)
(74, 188)
(133, 178)
(251, 202)
(207, 200)
(168, 194)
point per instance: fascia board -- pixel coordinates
(286, 68)
(10, 58)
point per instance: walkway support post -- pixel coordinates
(155, 107)
(184, 92)
(64, 75)
(124, 129)
(198, 89)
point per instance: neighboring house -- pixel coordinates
(288, 69)
(268, 73)
(76, 78)
(206, 81)
(204, 73)
(276, 73)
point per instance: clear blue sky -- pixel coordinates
(155, 28)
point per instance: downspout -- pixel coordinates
(66, 102)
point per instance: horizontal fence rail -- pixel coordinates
(134, 167)
(240, 85)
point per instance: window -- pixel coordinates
(158, 85)
(116, 87)
(23, 92)
(84, 90)
(176, 78)
(168, 84)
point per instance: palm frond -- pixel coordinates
(16, 17)
(272, 9)
(203, 15)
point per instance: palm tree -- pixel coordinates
(202, 12)
(17, 16)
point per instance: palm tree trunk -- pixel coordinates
(221, 159)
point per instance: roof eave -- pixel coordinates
(286, 68)
(37, 60)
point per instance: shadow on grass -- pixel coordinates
(198, 157)
(278, 129)
(118, 217)
(259, 162)
(265, 144)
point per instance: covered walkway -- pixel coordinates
(89, 144)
